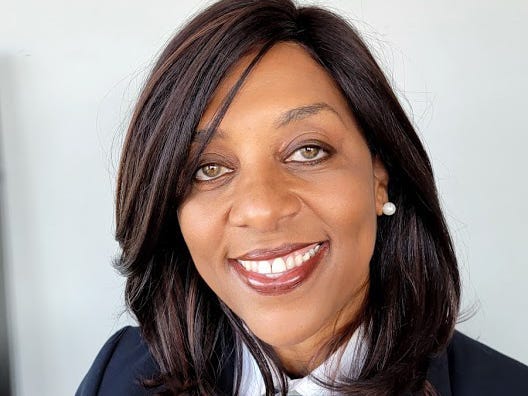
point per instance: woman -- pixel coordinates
(280, 226)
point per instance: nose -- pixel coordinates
(263, 200)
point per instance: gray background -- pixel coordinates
(69, 75)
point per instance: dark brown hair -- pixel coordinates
(414, 291)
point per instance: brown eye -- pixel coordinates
(308, 153)
(210, 172)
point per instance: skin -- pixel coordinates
(264, 189)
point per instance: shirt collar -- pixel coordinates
(347, 361)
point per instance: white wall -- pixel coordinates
(69, 73)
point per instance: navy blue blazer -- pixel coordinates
(466, 368)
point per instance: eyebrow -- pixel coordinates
(302, 112)
(295, 114)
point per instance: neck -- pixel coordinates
(299, 362)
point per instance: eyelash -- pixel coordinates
(200, 169)
(309, 162)
(312, 161)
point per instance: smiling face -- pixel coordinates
(281, 219)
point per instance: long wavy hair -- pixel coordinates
(414, 292)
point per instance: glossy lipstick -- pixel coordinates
(284, 281)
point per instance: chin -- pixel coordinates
(283, 333)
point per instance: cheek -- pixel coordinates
(357, 220)
(346, 201)
(202, 233)
(348, 207)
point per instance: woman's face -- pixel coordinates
(281, 220)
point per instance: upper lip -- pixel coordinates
(271, 253)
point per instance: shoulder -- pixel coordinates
(123, 361)
(473, 368)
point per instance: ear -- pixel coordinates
(381, 183)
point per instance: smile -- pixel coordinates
(280, 274)
(276, 267)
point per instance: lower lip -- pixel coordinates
(286, 282)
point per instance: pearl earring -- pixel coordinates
(389, 208)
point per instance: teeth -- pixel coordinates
(290, 262)
(264, 267)
(279, 264)
(298, 260)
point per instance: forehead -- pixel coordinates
(285, 77)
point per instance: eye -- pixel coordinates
(210, 172)
(308, 153)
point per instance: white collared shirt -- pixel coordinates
(350, 365)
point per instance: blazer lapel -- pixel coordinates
(438, 374)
